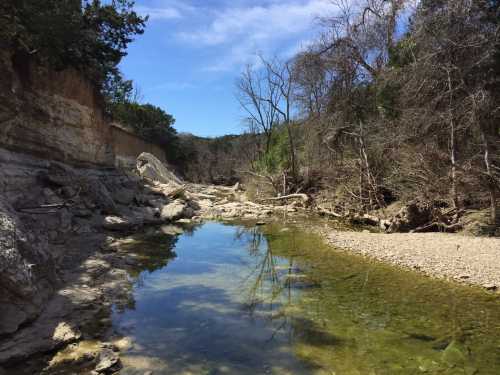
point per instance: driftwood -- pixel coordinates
(304, 197)
(439, 227)
(45, 208)
(354, 219)
(324, 212)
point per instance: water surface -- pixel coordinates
(275, 300)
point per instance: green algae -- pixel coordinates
(386, 320)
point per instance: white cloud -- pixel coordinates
(166, 9)
(159, 13)
(242, 31)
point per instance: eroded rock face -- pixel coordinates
(27, 272)
(150, 168)
(76, 183)
(51, 114)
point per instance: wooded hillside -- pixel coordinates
(393, 102)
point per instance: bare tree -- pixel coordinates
(279, 78)
(257, 98)
(365, 31)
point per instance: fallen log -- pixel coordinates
(365, 220)
(304, 197)
(439, 227)
(323, 211)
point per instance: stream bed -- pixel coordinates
(243, 299)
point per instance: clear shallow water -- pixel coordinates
(248, 300)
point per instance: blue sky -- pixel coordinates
(193, 50)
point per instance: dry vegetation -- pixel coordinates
(396, 101)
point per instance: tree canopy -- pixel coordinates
(91, 36)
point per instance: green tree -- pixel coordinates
(91, 36)
(150, 122)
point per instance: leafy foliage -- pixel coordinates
(150, 122)
(91, 36)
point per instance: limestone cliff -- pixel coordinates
(51, 114)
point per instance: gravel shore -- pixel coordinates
(472, 260)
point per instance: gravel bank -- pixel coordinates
(472, 260)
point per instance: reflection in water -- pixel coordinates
(248, 300)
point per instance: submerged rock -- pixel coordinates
(108, 362)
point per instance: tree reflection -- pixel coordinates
(270, 283)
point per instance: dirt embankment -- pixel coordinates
(472, 260)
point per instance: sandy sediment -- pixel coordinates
(472, 260)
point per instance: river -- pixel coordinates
(242, 299)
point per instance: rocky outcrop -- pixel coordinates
(47, 207)
(152, 169)
(27, 273)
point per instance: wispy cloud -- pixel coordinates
(167, 13)
(242, 31)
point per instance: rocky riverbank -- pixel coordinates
(466, 259)
(63, 259)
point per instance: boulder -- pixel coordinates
(175, 211)
(150, 168)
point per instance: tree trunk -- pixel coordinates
(454, 193)
(453, 148)
(492, 185)
(292, 152)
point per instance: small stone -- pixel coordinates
(260, 223)
(490, 286)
